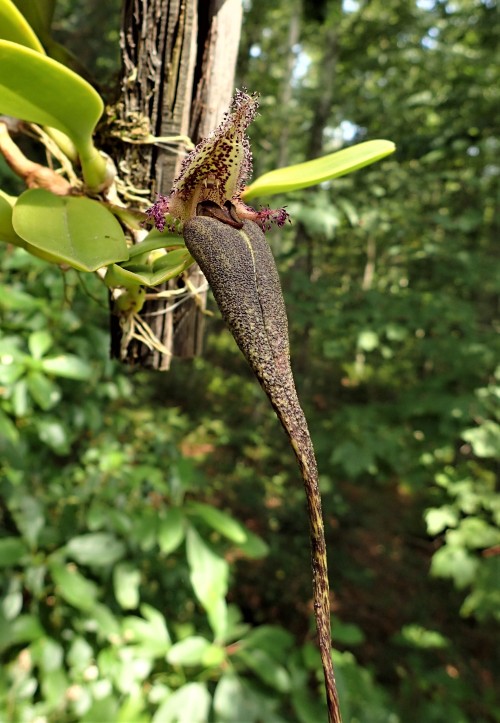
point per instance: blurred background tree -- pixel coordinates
(391, 288)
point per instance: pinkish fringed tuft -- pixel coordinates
(158, 211)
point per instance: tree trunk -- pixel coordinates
(178, 64)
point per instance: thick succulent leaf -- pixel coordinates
(72, 230)
(157, 240)
(7, 233)
(27, 22)
(310, 173)
(165, 268)
(38, 89)
(14, 27)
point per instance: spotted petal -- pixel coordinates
(216, 170)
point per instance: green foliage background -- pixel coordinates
(154, 544)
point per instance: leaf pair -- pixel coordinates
(82, 233)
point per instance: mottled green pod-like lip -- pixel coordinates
(242, 274)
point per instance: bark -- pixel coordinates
(178, 63)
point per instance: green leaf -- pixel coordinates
(80, 654)
(126, 581)
(346, 633)
(219, 521)
(54, 687)
(99, 549)
(164, 269)
(227, 697)
(234, 694)
(455, 562)
(189, 704)
(132, 708)
(474, 533)
(7, 233)
(149, 635)
(190, 651)
(310, 173)
(13, 366)
(321, 218)
(54, 434)
(45, 393)
(308, 707)
(420, 637)
(218, 619)
(12, 298)
(156, 240)
(208, 571)
(484, 600)
(368, 340)
(23, 629)
(28, 513)
(33, 250)
(439, 518)
(35, 578)
(106, 622)
(74, 230)
(102, 709)
(73, 587)
(485, 440)
(39, 342)
(67, 366)
(254, 546)
(48, 654)
(274, 640)
(266, 668)
(12, 551)
(171, 530)
(38, 89)
(168, 262)
(9, 433)
(14, 27)
(12, 604)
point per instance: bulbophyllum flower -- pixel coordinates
(213, 175)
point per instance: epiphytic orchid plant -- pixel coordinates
(78, 215)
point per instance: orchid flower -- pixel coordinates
(214, 175)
